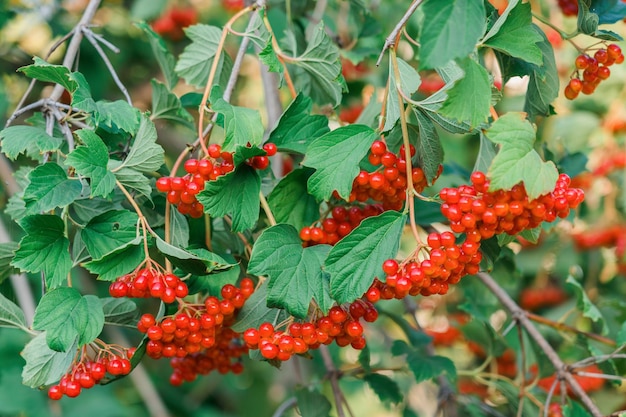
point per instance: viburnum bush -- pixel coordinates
(312, 198)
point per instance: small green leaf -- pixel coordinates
(163, 56)
(517, 160)
(166, 106)
(117, 262)
(145, 154)
(81, 98)
(312, 403)
(91, 161)
(49, 188)
(179, 229)
(194, 64)
(443, 37)
(586, 306)
(409, 83)
(44, 366)
(620, 339)
(486, 153)
(108, 231)
(269, 57)
(469, 100)
(43, 71)
(7, 252)
(429, 149)
(365, 359)
(358, 258)
(202, 262)
(67, 316)
(236, 194)
(44, 249)
(384, 387)
(517, 36)
(19, 139)
(336, 157)
(131, 179)
(290, 201)
(255, 312)
(587, 21)
(10, 314)
(573, 409)
(297, 128)
(296, 275)
(429, 367)
(242, 126)
(543, 85)
(120, 311)
(117, 115)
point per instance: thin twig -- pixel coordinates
(286, 405)
(597, 359)
(546, 406)
(564, 327)
(518, 314)
(391, 39)
(17, 113)
(334, 379)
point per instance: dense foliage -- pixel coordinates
(313, 207)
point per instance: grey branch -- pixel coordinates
(391, 39)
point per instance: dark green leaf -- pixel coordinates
(358, 258)
(242, 126)
(81, 98)
(609, 11)
(117, 262)
(44, 249)
(297, 128)
(269, 58)
(167, 106)
(43, 71)
(7, 252)
(429, 149)
(145, 154)
(117, 115)
(312, 403)
(586, 306)
(336, 157)
(162, 54)
(44, 366)
(290, 201)
(121, 311)
(429, 367)
(365, 359)
(255, 312)
(49, 188)
(198, 262)
(486, 153)
(384, 387)
(587, 21)
(543, 86)
(573, 409)
(131, 179)
(108, 231)
(296, 275)
(18, 139)
(91, 160)
(10, 314)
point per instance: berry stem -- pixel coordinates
(142, 219)
(564, 35)
(282, 57)
(567, 328)
(267, 209)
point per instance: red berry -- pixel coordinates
(270, 148)
(55, 392)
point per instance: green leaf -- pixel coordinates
(586, 306)
(145, 154)
(67, 316)
(429, 367)
(408, 83)
(486, 153)
(469, 99)
(429, 149)
(517, 160)
(43, 71)
(269, 57)
(147, 10)
(81, 97)
(587, 21)
(290, 201)
(44, 366)
(91, 161)
(44, 249)
(237, 194)
(320, 76)
(620, 338)
(241, 125)
(517, 36)
(194, 64)
(296, 275)
(358, 258)
(573, 409)
(450, 30)
(10, 314)
(384, 387)
(117, 115)
(49, 188)
(531, 235)
(297, 127)
(543, 85)
(117, 262)
(495, 28)
(255, 312)
(167, 106)
(131, 179)
(7, 252)
(312, 403)
(121, 311)
(191, 262)
(179, 229)
(18, 139)
(108, 231)
(163, 56)
(365, 359)
(336, 157)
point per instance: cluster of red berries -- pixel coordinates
(149, 282)
(200, 331)
(534, 299)
(182, 191)
(341, 326)
(481, 214)
(569, 7)
(233, 5)
(607, 237)
(340, 224)
(611, 161)
(87, 373)
(594, 70)
(172, 22)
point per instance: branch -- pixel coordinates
(289, 403)
(334, 379)
(391, 39)
(562, 370)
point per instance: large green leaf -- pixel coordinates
(242, 126)
(10, 314)
(336, 157)
(296, 275)
(450, 30)
(290, 201)
(429, 149)
(120, 311)
(91, 161)
(469, 99)
(145, 154)
(117, 262)
(312, 403)
(236, 194)
(44, 249)
(115, 116)
(49, 188)
(44, 71)
(163, 56)
(108, 231)
(408, 83)
(517, 160)
(197, 262)
(358, 258)
(67, 316)
(543, 85)
(297, 128)
(517, 36)
(166, 106)
(384, 387)
(131, 179)
(425, 367)
(255, 311)
(44, 366)
(18, 139)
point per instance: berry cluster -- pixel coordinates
(340, 224)
(569, 7)
(534, 299)
(340, 325)
(611, 161)
(87, 372)
(172, 22)
(594, 70)
(199, 333)
(182, 191)
(149, 282)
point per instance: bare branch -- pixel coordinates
(286, 405)
(333, 375)
(391, 39)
